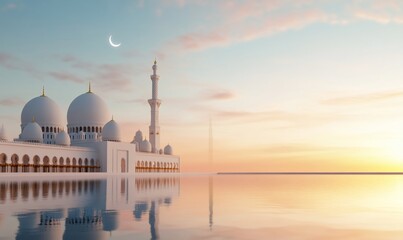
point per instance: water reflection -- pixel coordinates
(204, 207)
(84, 209)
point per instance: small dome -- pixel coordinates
(145, 146)
(138, 137)
(62, 138)
(88, 109)
(168, 150)
(45, 111)
(3, 135)
(32, 132)
(111, 132)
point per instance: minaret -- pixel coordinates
(155, 104)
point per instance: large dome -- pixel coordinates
(88, 109)
(44, 110)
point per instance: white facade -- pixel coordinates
(92, 142)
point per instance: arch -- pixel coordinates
(25, 159)
(85, 129)
(51, 129)
(3, 158)
(54, 164)
(46, 162)
(25, 163)
(86, 161)
(123, 165)
(14, 159)
(67, 161)
(61, 161)
(92, 162)
(47, 129)
(14, 162)
(96, 129)
(80, 163)
(74, 162)
(36, 163)
(93, 129)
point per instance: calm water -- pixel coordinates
(203, 207)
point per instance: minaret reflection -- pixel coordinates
(211, 202)
(153, 220)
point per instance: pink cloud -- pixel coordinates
(218, 95)
(11, 102)
(9, 6)
(66, 77)
(247, 23)
(364, 98)
(12, 62)
(107, 76)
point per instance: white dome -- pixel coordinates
(111, 132)
(62, 138)
(88, 109)
(145, 146)
(44, 110)
(138, 137)
(32, 132)
(168, 150)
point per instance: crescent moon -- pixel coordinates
(113, 44)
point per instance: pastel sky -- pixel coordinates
(308, 85)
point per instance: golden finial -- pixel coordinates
(43, 91)
(33, 118)
(155, 61)
(112, 118)
(89, 87)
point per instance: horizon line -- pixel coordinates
(310, 173)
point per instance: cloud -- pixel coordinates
(274, 119)
(66, 77)
(302, 148)
(218, 95)
(242, 21)
(384, 12)
(364, 98)
(12, 62)
(11, 102)
(245, 21)
(9, 6)
(116, 77)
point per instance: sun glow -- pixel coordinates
(394, 150)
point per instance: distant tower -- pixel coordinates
(155, 104)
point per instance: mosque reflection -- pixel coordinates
(85, 209)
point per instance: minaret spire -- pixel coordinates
(89, 87)
(154, 104)
(43, 91)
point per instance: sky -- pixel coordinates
(310, 85)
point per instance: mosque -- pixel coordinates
(92, 142)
